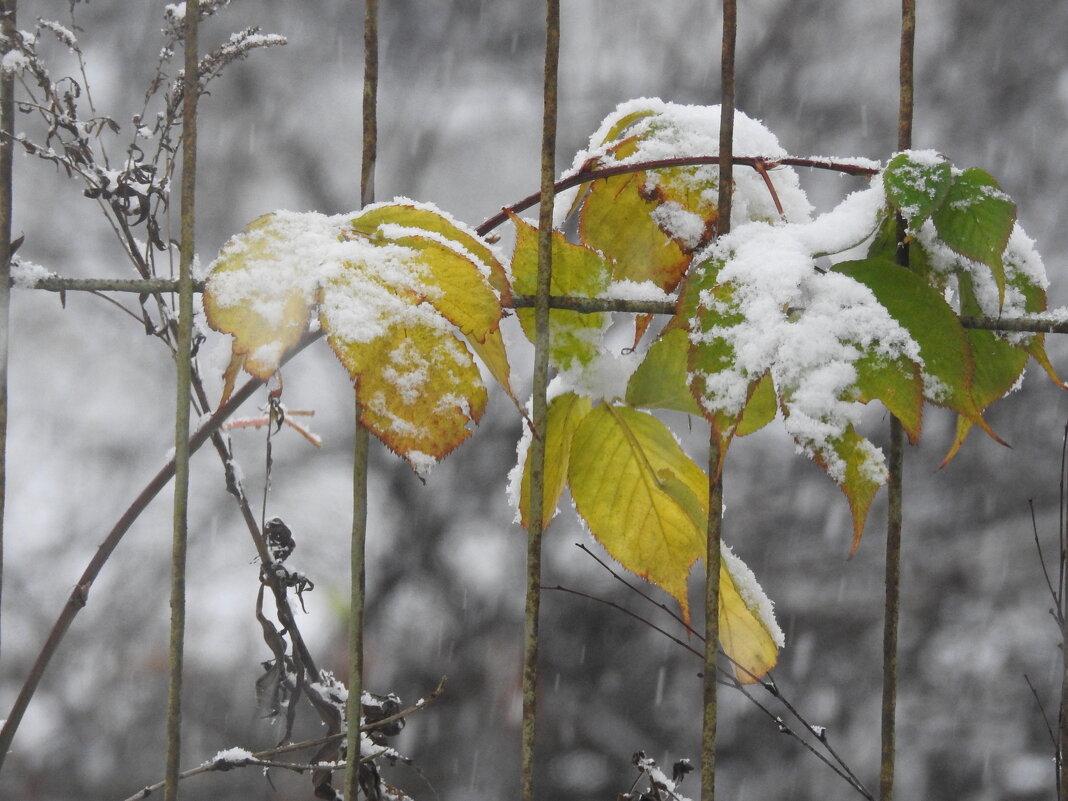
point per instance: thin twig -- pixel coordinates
(263, 758)
(634, 588)
(1042, 711)
(1056, 610)
(587, 176)
(724, 677)
(80, 594)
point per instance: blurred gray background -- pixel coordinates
(460, 101)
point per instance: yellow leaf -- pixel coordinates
(564, 414)
(410, 214)
(618, 458)
(743, 627)
(253, 295)
(419, 386)
(453, 285)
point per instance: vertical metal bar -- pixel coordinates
(715, 478)
(183, 357)
(897, 453)
(540, 404)
(361, 442)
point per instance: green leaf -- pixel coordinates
(858, 469)
(947, 356)
(661, 380)
(563, 415)
(576, 270)
(897, 384)
(976, 219)
(916, 185)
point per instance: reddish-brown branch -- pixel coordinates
(756, 162)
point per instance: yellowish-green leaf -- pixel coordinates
(743, 631)
(577, 271)
(454, 283)
(616, 220)
(898, 384)
(265, 309)
(647, 503)
(857, 467)
(761, 407)
(625, 122)
(618, 458)
(454, 286)
(661, 382)
(563, 415)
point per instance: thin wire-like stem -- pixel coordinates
(896, 465)
(183, 396)
(361, 440)
(7, 124)
(715, 456)
(532, 604)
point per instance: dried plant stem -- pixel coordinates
(7, 122)
(264, 758)
(540, 404)
(80, 594)
(361, 443)
(183, 396)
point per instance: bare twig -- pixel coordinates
(265, 758)
(586, 176)
(80, 594)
